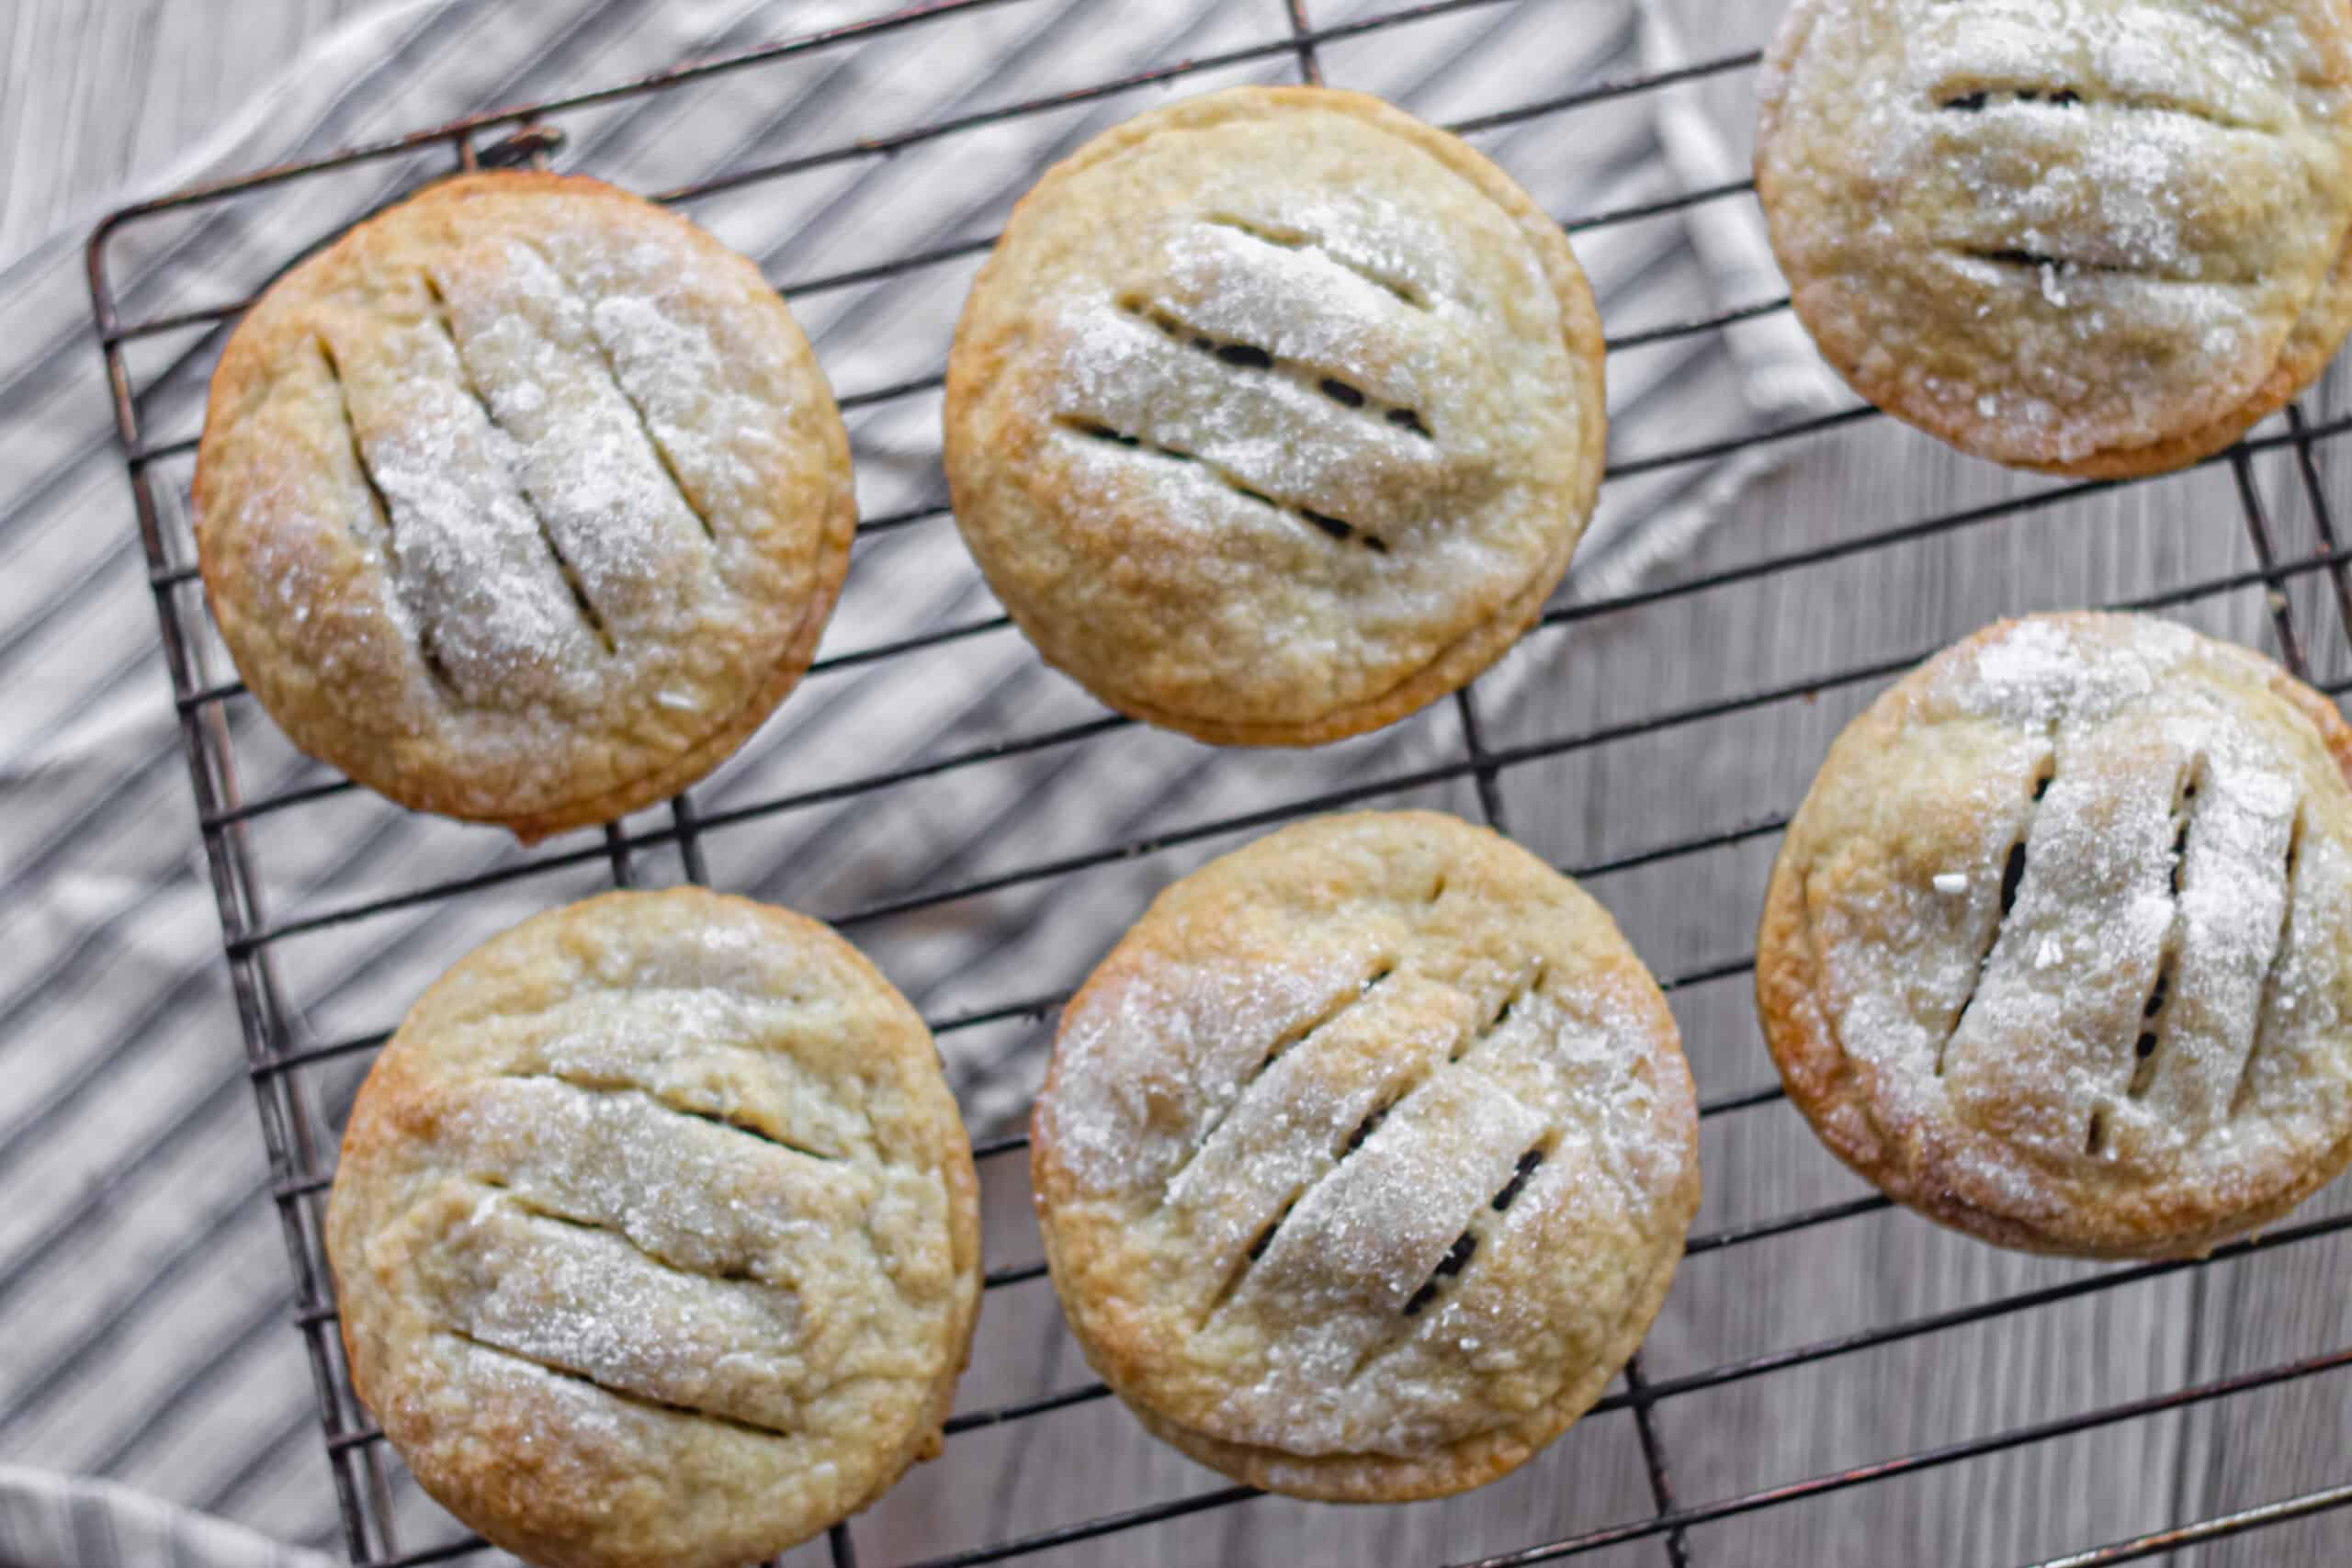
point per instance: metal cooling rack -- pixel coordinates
(300, 1176)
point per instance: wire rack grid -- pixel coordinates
(362, 1470)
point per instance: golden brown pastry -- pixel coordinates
(2093, 237)
(2058, 950)
(1275, 415)
(656, 1234)
(523, 502)
(1365, 1159)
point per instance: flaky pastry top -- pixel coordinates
(523, 501)
(2099, 236)
(655, 1234)
(1365, 1155)
(2059, 946)
(1276, 414)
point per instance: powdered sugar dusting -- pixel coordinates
(2042, 672)
(584, 1301)
(1278, 436)
(717, 438)
(488, 601)
(1136, 1115)
(584, 463)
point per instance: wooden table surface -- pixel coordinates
(95, 95)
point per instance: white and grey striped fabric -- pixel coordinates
(48, 1518)
(143, 1292)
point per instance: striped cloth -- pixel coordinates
(47, 1518)
(143, 1290)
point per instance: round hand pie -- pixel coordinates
(2097, 238)
(2058, 950)
(1365, 1159)
(523, 502)
(1275, 415)
(656, 1234)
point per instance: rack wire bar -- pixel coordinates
(2163, 1543)
(285, 1067)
